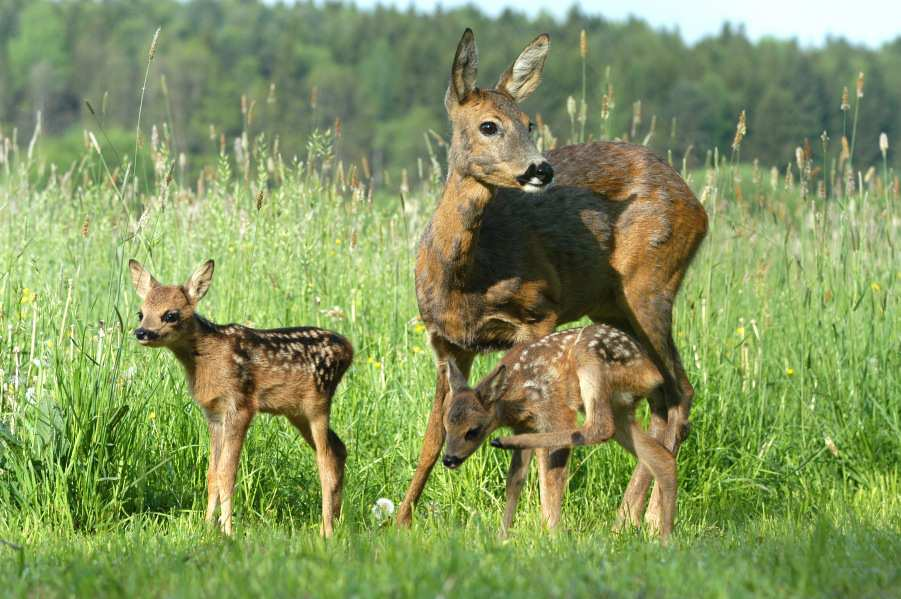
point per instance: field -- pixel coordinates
(789, 324)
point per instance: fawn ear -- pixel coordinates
(494, 385)
(524, 75)
(455, 378)
(143, 280)
(200, 281)
(463, 73)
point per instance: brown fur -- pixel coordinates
(610, 239)
(234, 372)
(538, 389)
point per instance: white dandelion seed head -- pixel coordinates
(382, 509)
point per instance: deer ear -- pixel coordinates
(463, 73)
(455, 378)
(199, 282)
(524, 75)
(142, 280)
(495, 385)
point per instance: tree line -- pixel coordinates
(379, 76)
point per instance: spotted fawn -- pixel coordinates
(538, 390)
(235, 371)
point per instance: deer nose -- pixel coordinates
(545, 172)
(451, 461)
(143, 334)
(538, 174)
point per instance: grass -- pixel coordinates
(789, 324)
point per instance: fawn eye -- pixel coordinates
(488, 128)
(140, 316)
(170, 316)
(472, 433)
(531, 126)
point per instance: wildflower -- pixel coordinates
(740, 331)
(876, 287)
(335, 312)
(382, 509)
(338, 241)
(419, 327)
(130, 372)
(416, 349)
(30, 394)
(789, 372)
(883, 143)
(50, 344)
(151, 415)
(28, 296)
(36, 363)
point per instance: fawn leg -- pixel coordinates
(519, 471)
(212, 482)
(597, 398)
(234, 429)
(434, 434)
(330, 457)
(658, 460)
(552, 483)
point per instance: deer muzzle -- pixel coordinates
(538, 175)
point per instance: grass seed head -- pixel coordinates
(846, 102)
(860, 85)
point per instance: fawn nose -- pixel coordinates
(143, 334)
(451, 461)
(545, 172)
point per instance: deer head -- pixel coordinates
(167, 311)
(491, 139)
(470, 414)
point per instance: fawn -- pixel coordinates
(234, 372)
(538, 389)
(523, 241)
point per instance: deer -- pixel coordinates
(522, 242)
(234, 372)
(538, 390)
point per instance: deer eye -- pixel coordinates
(488, 128)
(140, 316)
(472, 433)
(531, 127)
(170, 316)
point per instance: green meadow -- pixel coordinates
(788, 323)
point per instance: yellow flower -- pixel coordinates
(789, 372)
(875, 286)
(338, 241)
(152, 416)
(740, 331)
(28, 296)
(377, 364)
(50, 344)
(416, 349)
(419, 328)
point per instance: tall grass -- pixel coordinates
(789, 325)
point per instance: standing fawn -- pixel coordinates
(538, 389)
(234, 372)
(507, 256)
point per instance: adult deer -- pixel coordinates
(507, 257)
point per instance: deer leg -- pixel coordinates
(434, 435)
(651, 315)
(657, 459)
(633, 504)
(330, 457)
(234, 429)
(212, 482)
(519, 470)
(598, 427)
(552, 473)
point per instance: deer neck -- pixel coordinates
(457, 222)
(188, 349)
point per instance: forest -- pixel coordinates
(377, 79)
